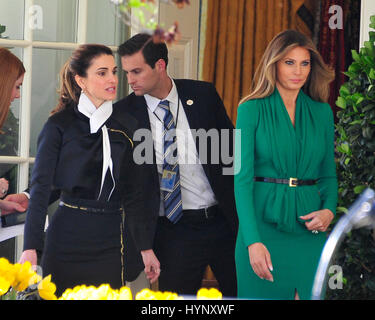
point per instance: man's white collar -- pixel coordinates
(153, 102)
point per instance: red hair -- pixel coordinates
(11, 68)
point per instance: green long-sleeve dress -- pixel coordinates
(268, 145)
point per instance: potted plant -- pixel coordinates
(355, 146)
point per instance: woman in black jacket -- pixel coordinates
(85, 152)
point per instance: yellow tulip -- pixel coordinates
(171, 296)
(4, 286)
(7, 270)
(66, 295)
(125, 294)
(47, 289)
(212, 293)
(102, 293)
(81, 292)
(105, 292)
(147, 294)
(24, 276)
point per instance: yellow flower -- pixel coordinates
(147, 294)
(24, 276)
(205, 294)
(125, 294)
(77, 293)
(7, 270)
(47, 289)
(102, 293)
(66, 295)
(4, 286)
(170, 296)
(105, 292)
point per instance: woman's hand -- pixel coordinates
(260, 260)
(29, 255)
(7, 207)
(152, 265)
(19, 198)
(320, 220)
(4, 185)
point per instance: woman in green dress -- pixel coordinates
(286, 185)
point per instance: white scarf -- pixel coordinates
(98, 116)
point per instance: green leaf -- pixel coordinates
(368, 107)
(343, 148)
(356, 56)
(359, 189)
(356, 96)
(368, 60)
(372, 74)
(342, 209)
(344, 91)
(369, 45)
(367, 132)
(355, 67)
(134, 3)
(360, 100)
(351, 75)
(341, 102)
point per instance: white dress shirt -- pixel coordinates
(196, 192)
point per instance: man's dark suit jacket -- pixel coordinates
(205, 110)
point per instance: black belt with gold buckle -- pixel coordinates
(110, 210)
(292, 182)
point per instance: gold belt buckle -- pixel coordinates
(293, 182)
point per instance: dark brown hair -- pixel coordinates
(77, 64)
(152, 50)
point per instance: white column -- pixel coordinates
(24, 142)
(367, 10)
(82, 22)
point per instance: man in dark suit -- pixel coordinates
(194, 223)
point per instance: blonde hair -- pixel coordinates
(11, 68)
(264, 83)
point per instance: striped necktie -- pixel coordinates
(172, 200)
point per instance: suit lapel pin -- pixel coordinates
(189, 102)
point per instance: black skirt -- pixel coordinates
(84, 248)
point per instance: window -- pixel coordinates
(43, 34)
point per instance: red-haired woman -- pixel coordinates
(11, 77)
